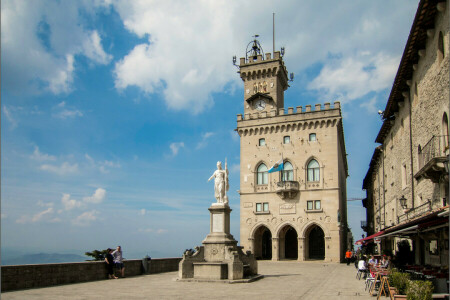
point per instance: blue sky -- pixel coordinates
(114, 113)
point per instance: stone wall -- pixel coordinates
(34, 276)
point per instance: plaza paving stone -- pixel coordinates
(283, 280)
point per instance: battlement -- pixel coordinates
(290, 111)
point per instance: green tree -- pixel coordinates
(97, 254)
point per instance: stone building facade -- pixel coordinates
(407, 181)
(300, 212)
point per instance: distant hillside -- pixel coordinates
(43, 258)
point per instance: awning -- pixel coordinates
(368, 238)
(401, 231)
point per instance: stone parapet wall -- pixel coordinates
(35, 276)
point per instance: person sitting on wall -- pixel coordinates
(109, 260)
(118, 260)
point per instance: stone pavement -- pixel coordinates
(283, 280)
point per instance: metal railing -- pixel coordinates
(287, 185)
(435, 147)
(414, 212)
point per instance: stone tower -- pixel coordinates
(299, 212)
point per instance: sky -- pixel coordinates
(114, 113)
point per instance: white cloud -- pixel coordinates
(98, 196)
(142, 211)
(175, 147)
(370, 105)
(63, 169)
(187, 54)
(94, 50)
(102, 165)
(350, 78)
(63, 112)
(85, 218)
(40, 215)
(69, 203)
(9, 117)
(37, 155)
(35, 218)
(204, 140)
(41, 40)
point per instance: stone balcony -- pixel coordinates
(287, 189)
(433, 158)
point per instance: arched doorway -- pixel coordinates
(263, 243)
(288, 243)
(316, 243)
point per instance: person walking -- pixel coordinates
(118, 260)
(109, 260)
(348, 256)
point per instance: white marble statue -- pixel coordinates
(221, 185)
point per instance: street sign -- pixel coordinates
(377, 240)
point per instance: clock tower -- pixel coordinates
(265, 79)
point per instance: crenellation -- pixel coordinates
(299, 109)
(308, 108)
(317, 107)
(290, 110)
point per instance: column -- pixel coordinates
(301, 249)
(275, 247)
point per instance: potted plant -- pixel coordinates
(399, 281)
(419, 290)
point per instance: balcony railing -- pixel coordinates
(287, 189)
(432, 158)
(415, 212)
(436, 147)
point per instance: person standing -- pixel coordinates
(109, 260)
(348, 256)
(118, 260)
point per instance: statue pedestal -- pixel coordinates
(219, 258)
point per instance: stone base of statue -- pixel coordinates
(219, 259)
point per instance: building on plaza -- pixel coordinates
(300, 212)
(407, 181)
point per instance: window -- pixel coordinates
(288, 172)
(441, 51)
(286, 139)
(262, 207)
(262, 175)
(262, 142)
(313, 171)
(313, 205)
(445, 131)
(434, 247)
(404, 176)
(312, 137)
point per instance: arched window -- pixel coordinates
(441, 51)
(262, 175)
(288, 172)
(445, 131)
(313, 171)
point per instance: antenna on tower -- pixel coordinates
(273, 31)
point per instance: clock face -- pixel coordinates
(260, 104)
